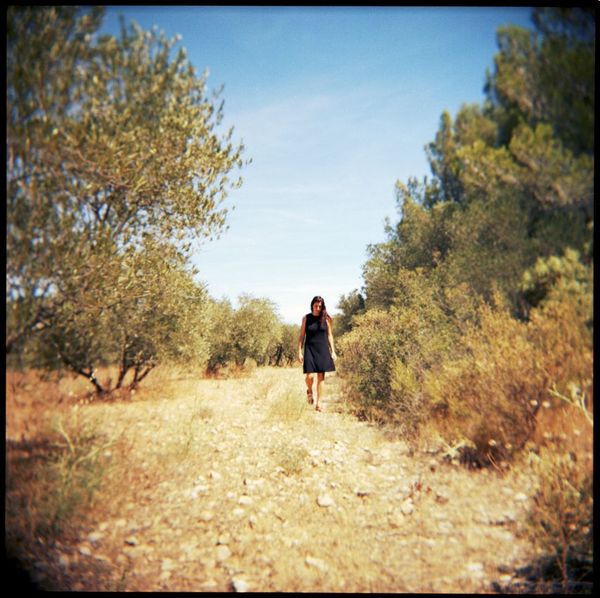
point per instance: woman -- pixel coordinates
(319, 353)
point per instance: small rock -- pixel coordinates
(475, 567)
(254, 483)
(407, 507)
(316, 563)
(244, 500)
(215, 475)
(507, 517)
(167, 565)
(440, 498)
(224, 538)
(520, 497)
(198, 490)
(239, 585)
(223, 552)
(85, 550)
(206, 516)
(132, 541)
(325, 501)
(95, 537)
(237, 512)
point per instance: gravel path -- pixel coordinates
(239, 485)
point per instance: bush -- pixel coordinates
(383, 359)
(50, 481)
(490, 393)
(561, 517)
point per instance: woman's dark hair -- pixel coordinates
(324, 315)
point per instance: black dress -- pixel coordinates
(317, 358)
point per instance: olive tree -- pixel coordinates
(110, 141)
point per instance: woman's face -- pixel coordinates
(317, 307)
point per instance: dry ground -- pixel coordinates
(218, 485)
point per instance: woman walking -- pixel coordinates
(316, 336)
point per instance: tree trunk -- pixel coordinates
(137, 377)
(90, 374)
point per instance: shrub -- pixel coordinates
(490, 390)
(489, 394)
(288, 406)
(50, 481)
(383, 359)
(561, 516)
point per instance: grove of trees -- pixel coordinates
(114, 165)
(497, 245)
(475, 321)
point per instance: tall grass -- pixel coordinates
(288, 406)
(51, 479)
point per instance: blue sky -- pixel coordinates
(333, 105)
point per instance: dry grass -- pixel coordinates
(198, 464)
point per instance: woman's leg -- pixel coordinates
(320, 386)
(309, 384)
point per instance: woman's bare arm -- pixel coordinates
(330, 337)
(301, 339)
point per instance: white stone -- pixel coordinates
(325, 501)
(206, 516)
(475, 567)
(223, 552)
(198, 490)
(239, 585)
(316, 563)
(95, 537)
(407, 507)
(167, 565)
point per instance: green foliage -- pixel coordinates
(561, 516)
(384, 357)
(479, 302)
(113, 164)
(57, 485)
(351, 305)
(256, 329)
(548, 76)
(490, 388)
(253, 331)
(285, 350)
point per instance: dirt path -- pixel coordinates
(239, 485)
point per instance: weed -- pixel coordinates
(561, 516)
(51, 479)
(201, 412)
(288, 406)
(291, 458)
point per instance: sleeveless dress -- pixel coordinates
(317, 358)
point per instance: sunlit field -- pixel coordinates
(202, 484)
